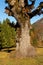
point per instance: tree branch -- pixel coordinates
(36, 11)
(29, 5)
(8, 11)
(17, 25)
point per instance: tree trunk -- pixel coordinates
(24, 46)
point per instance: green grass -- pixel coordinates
(25, 61)
(6, 60)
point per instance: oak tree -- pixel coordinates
(22, 11)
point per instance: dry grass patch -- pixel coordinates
(39, 51)
(3, 54)
(6, 60)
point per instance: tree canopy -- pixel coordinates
(24, 7)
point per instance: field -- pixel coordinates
(6, 60)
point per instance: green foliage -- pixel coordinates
(7, 35)
(31, 30)
(34, 42)
(33, 37)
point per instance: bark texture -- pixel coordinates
(24, 47)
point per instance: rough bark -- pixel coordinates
(24, 47)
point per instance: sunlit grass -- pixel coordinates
(24, 61)
(39, 51)
(6, 60)
(3, 54)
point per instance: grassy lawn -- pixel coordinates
(5, 60)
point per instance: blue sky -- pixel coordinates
(3, 15)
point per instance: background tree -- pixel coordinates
(22, 11)
(0, 37)
(7, 35)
